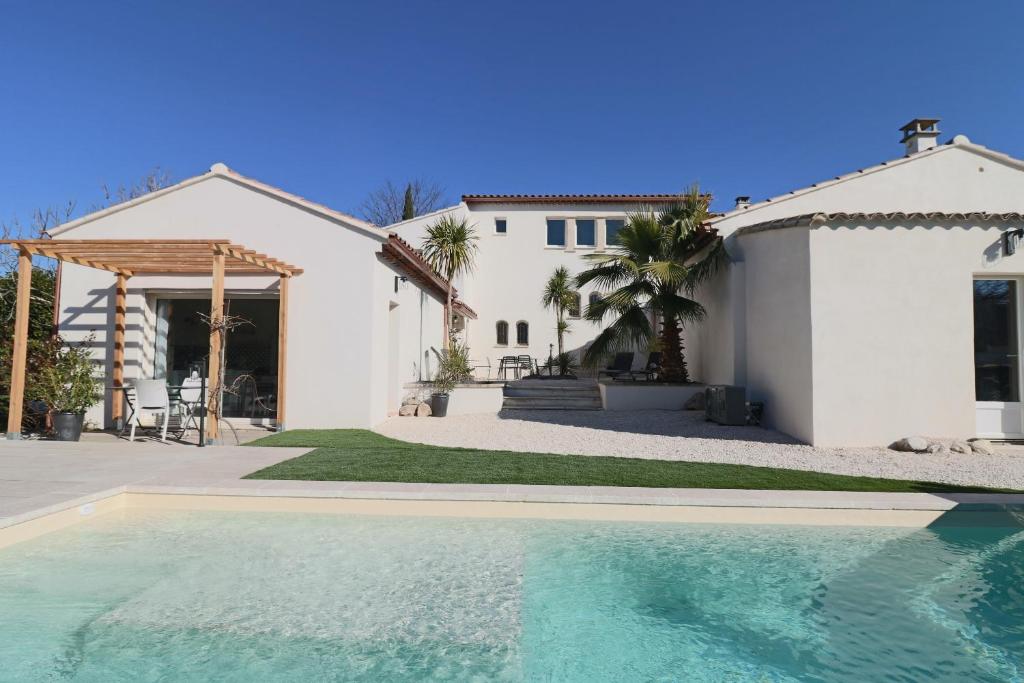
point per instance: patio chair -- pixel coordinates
(508, 363)
(154, 400)
(190, 402)
(651, 370)
(126, 394)
(526, 363)
(621, 365)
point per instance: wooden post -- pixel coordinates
(120, 304)
(216, 322)
(282, 350)
(20, 351)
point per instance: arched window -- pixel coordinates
(594, 298)
(574, 307)
(522, 333)
(502, 333)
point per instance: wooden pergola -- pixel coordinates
(125, 258)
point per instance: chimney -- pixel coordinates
(742, 203)
(920, 134)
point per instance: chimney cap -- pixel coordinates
(920, 126)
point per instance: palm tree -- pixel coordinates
(450, 248)
(559, 294)
(661, 256)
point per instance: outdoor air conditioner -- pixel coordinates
(726, 405)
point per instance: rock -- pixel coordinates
(411, 401)
(423, 410)
(695, 402)
(983, 447)
(937, 448)
(911, 444)
(407, 410)
(960, 447)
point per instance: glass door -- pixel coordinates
(997, 371)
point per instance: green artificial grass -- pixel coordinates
(361, 455)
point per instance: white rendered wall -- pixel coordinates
(778, 328)
(333, 366)
(893, 328)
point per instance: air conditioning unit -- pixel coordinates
(726, 405)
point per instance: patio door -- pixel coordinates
(250, 351)
(997, 354)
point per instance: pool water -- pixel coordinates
(179, 596)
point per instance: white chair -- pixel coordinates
(191, 399)
(151, 397)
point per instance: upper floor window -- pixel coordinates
(556, 232)
(612, 227)
(574, 307)
(500, 226)
(522, 333)
(586, 233)
(502, 333)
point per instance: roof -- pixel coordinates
(430, 214)
(569, 198)
(222, 171)
(816, 219)
(128, 257)
(400, 253)
(958, 142)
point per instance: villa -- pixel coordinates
(881, 303)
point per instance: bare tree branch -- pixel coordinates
(384, 205)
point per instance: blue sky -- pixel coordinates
(330, 99)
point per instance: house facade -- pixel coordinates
(364, 318)
(522, 240)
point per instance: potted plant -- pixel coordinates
(453, 368)
(69, 388)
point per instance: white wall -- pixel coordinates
(336, 369)
(893, 328)
(778, 328)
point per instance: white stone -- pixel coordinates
(407, 410)
(983, 447)
(914, 444)
(423, 410)
(960, 447)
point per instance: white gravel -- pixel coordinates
(671, 435)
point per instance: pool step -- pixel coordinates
(552, 395)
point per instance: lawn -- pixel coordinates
(361, 455)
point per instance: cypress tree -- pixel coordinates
(409, 210)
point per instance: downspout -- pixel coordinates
(419, 363)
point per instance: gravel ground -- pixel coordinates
(670, 435)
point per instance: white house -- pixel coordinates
(364, 318)
(522, 240)
(881, 303)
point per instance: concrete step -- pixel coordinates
(561, 403)
(546, 393)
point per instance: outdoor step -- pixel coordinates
(564, 403)
(547, 393)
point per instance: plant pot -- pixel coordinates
(68, 426)
(439, 405)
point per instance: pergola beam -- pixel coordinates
(282, 351)
(20, 350)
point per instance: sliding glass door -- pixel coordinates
(183, 343)
(997, 349)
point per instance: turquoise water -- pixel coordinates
(174, 596)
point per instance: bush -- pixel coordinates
(68, 384)
(41, 354)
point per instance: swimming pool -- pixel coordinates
(244, 596)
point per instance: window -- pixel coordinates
(502, 333)
(612, 227)
(522, 333)
(574, 307)
(594, 298)
(996, 370)
(585, 232)
(556, 232)
(500, 226)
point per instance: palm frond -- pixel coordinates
(632, 330)
(450, 246)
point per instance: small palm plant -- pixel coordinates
(661, 256)
(560, 294)
(450, 248)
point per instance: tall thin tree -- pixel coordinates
(560, 294)
(450, 248)
(409, 210)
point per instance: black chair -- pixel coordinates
(622, 364)
(508, 363)
(651, 370)
(526, 363)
